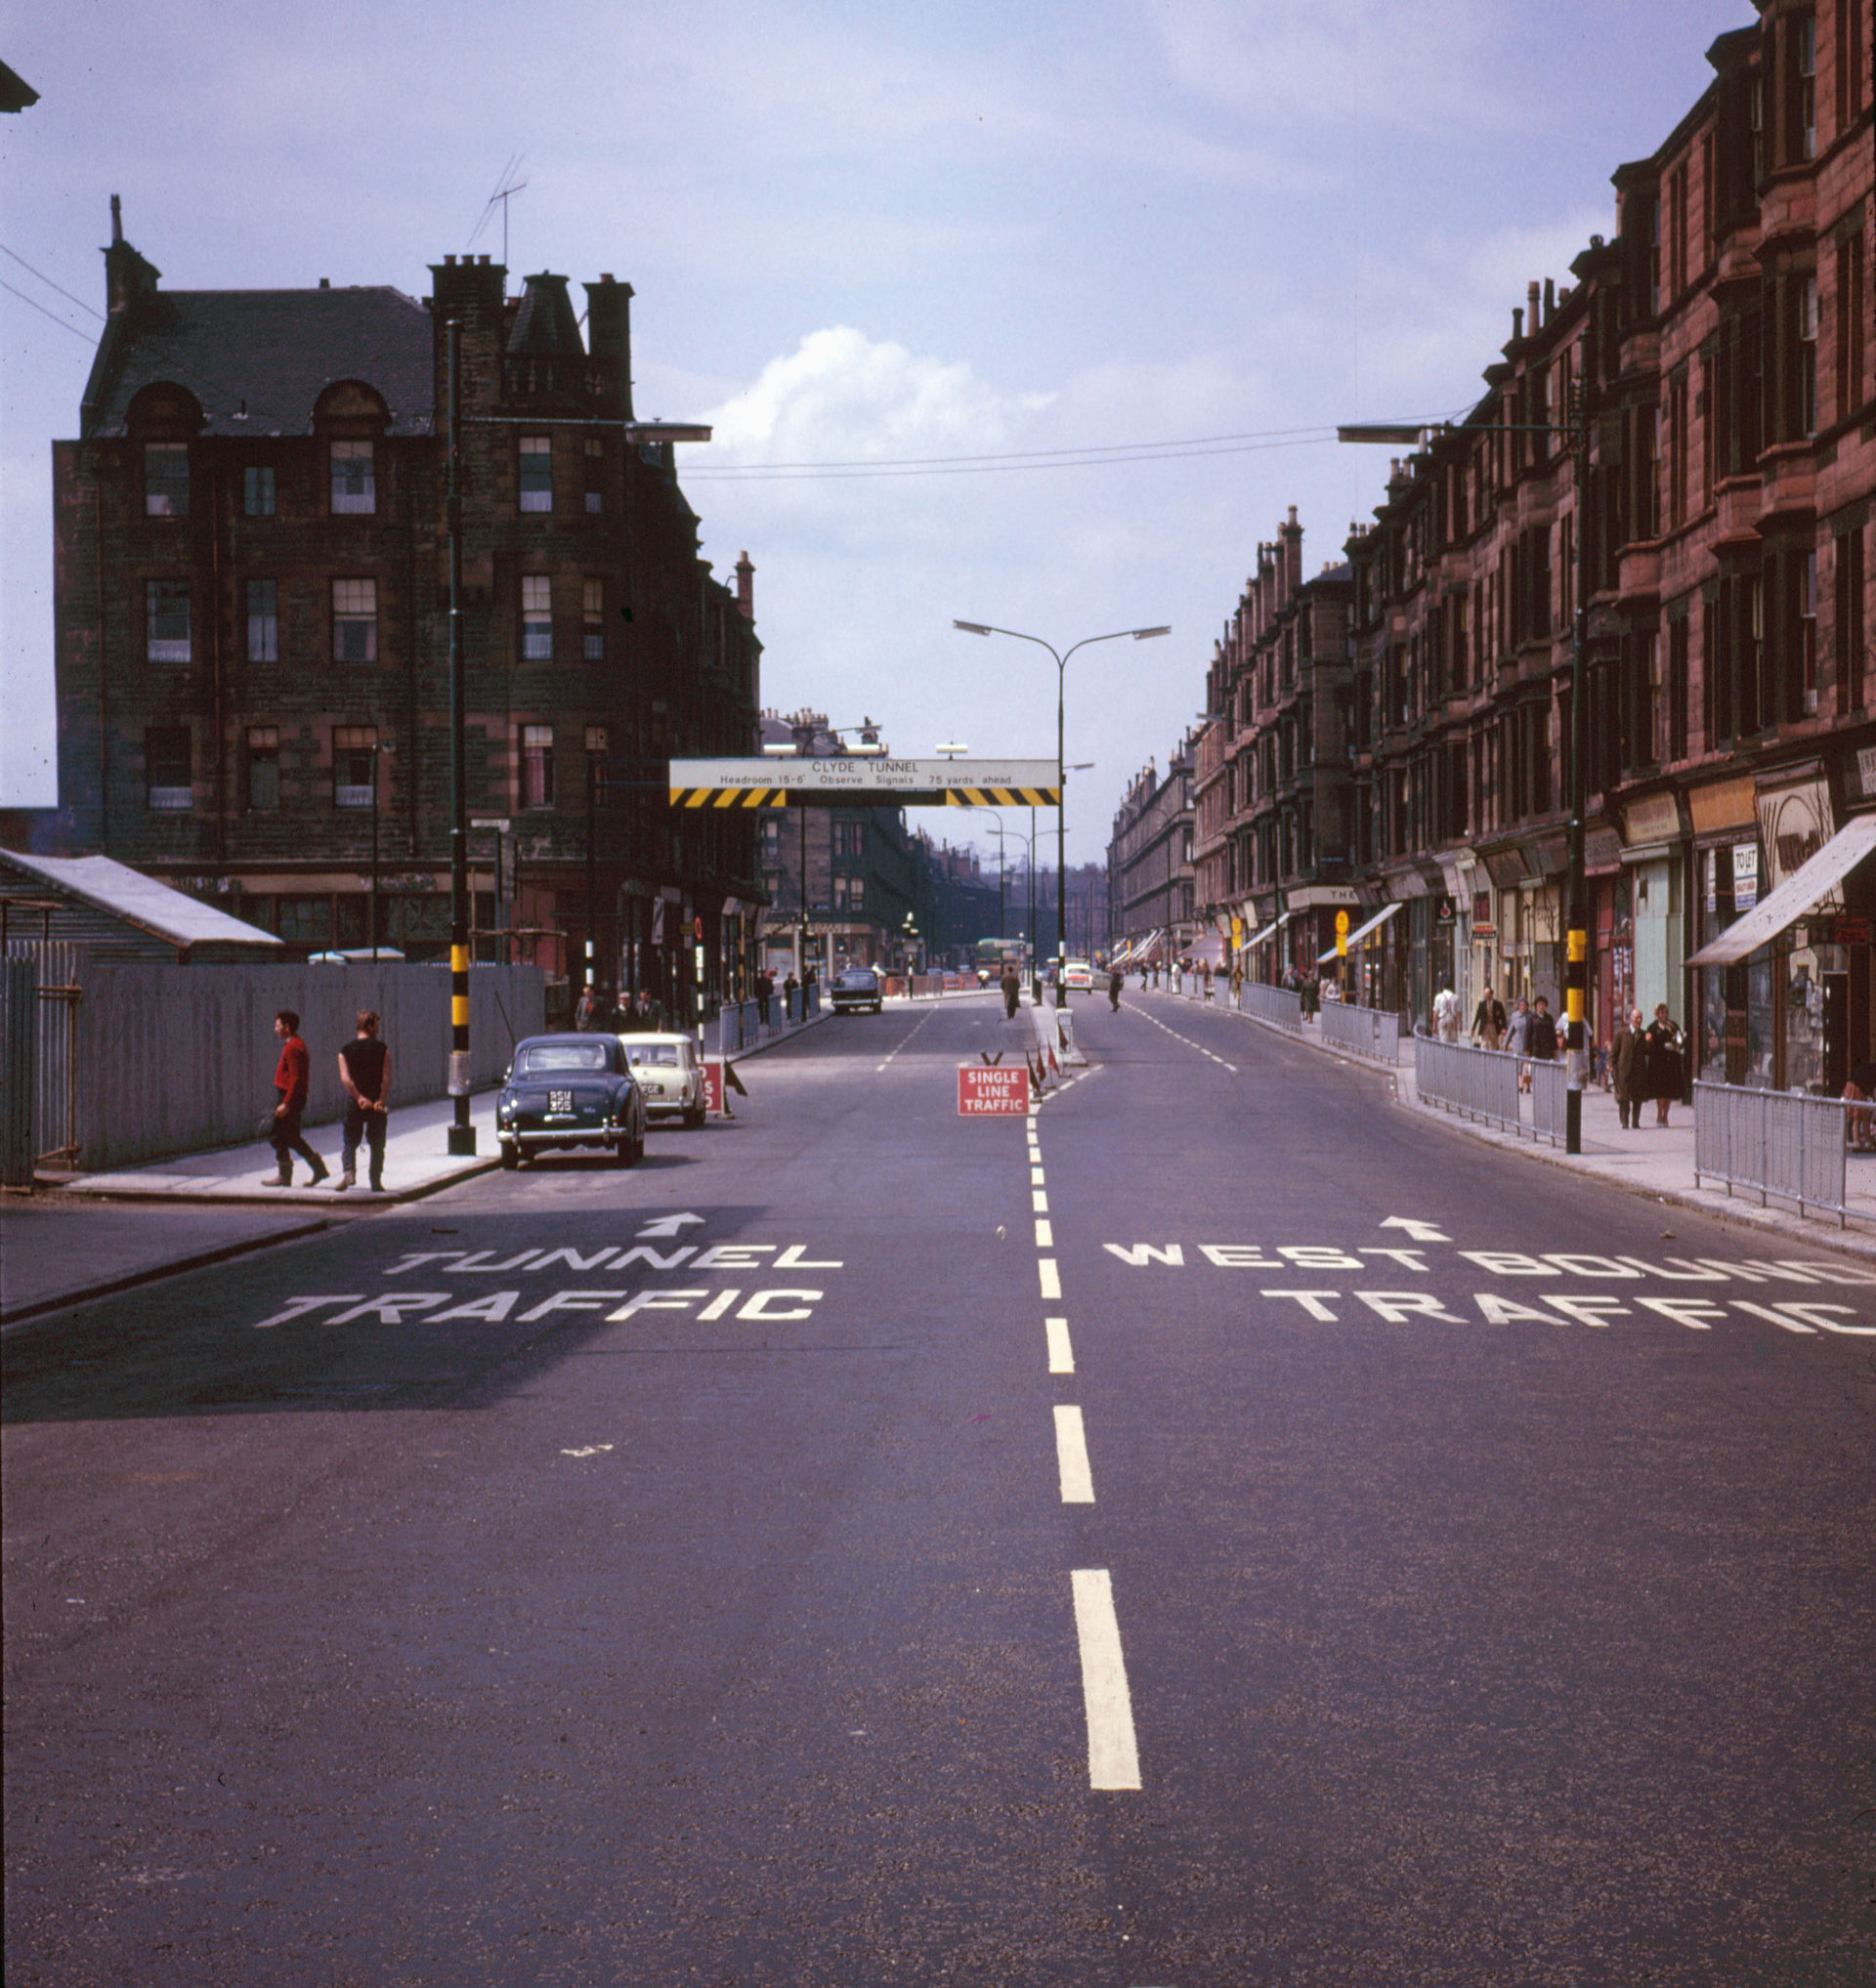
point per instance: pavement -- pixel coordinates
(85, 1235)
(147, 1222)
(1655, 1162)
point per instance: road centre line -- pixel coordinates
(1113, 1754)
(1061, 1354)
(1050, 1279)
(1189, 1043)
(1038, 1202)
(1072, 1467)
(1044, 1235)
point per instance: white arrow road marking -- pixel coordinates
(1419, 1231)
(1113, 1755)
(667, 1225)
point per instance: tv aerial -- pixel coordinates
(506, 188)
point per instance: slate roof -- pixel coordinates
(135, 898)
(274, 351)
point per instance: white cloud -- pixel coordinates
(843, 397)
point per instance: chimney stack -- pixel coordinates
(745, 587)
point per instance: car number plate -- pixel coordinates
(560, 1103)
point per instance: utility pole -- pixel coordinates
(462, 1135)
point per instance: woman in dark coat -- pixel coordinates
(1663, 1048)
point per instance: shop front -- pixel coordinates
(1654, 856)
(1774, 969)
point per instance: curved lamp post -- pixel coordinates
(1061, 656)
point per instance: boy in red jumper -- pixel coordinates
(291, 1076)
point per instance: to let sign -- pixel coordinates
(984, 1091)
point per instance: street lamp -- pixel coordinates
(1029, 844)
(1061, 772)
(1576, 958)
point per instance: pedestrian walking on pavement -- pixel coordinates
(1488, 1020)
(1446, 1014)
(365, 1074)
(292, 1078)
(1115, 982)
(1012, 987)
(764, 995)
(1518, 1039)
(1543, 1034)
(1665, 1049)
(1625, 1060)
(1237, 984)
(1860, 1088)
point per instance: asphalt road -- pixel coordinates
(1242, 1534)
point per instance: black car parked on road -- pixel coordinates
(568, 1091)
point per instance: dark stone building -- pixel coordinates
(1275, 800)
(252, 595)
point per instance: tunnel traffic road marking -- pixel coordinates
(1113, 1755)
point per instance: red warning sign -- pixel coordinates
(987, 1092)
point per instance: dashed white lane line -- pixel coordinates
(1045, 1235)
(1039, 1201)
(1061, 1355)
(1071, 1458)
(1050, 1279)
(1035, 1174)
(1113, 1755)
(903, 1042)
(1189, 1043)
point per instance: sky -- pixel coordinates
(1145, 254)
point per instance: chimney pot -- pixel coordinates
(325, 283)
(483, 260)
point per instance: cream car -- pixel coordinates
(668, 1074)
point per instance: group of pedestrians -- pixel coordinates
(365, 1075)
(1647, 1063)
(1644, 1062)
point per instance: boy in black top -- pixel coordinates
(365, 1070)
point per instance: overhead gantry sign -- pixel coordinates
(864, 781)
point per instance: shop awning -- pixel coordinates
(1800, 890)
(1269, 931)
(1361, 932)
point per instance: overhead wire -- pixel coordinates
(49, 284)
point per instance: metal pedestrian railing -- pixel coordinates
(1279, 1006)
(1774, 1142)
(1377, 1033)
(1550, 1087)
(1478, 1084)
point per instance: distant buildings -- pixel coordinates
(857, 886)
(1150, 900)
(251, 579)
(1397, 733)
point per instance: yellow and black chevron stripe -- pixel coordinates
(1001, 797)
(784, 797)
(729, 797)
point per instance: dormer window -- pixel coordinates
(354, 482)
(166, 480)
